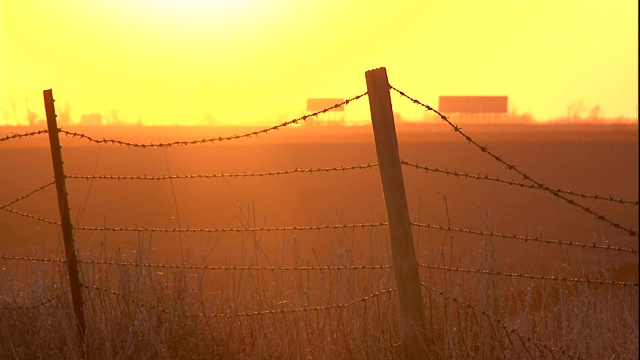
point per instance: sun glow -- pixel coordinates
(224, 5)
(214, 11)
(257, 61)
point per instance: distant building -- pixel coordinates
(94, 119)
(474, 109)
(333, 116)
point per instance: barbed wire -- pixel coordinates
(514, 168)
(125, 298)
(208, 140)
(515, 183)
(23, 135)
(237, 268)
(526, 238)
(325, 227)
(26, 195)
(226, 230)
(224, 175)
(508, 329)
(201, 267)
(249, 313)
(530, 276)
(33, 217)
(316, 268)
(304, 309)
(32, 258)
(36, 306)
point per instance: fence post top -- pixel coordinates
(379, 69)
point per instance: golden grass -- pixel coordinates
(181, 313)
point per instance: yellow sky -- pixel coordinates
(257, 61)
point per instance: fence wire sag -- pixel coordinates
(207, 140)
(226, 175)
(233, 268)
(35, 306)
(512, 167)
(530, 276)
(23, 135)
(508, 329)
(29, 216)
(231, 230)
(525, 238)
(170, 266)
(247, 313)
(26, 195)
(515, 183)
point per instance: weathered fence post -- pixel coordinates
(405, 265)
(65, 217)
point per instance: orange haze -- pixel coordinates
(249, 62)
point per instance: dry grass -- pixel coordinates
(178, 313)
(174, 313)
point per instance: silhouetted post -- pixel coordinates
(405, 265)
(65, 217)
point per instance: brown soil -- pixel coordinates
(588, 159)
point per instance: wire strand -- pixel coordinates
(515, 183)
(318, 268)
(525, 238)
(508, 329)
(23, 135)
(207, 140)
(512, 167)
(225, 175)
(26, 195)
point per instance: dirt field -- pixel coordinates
(587, 159)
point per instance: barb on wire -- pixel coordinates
(305, 309)
(125, 298)
(515, 183)
(248, 313)
(23, 135)
(28, 194)
(41, 219)
(530, 276)
(208, 140)
(224, 175)
(226, 230)
(511, 167)
(238, 268)
(526, 238)
(314, 268)
(201, 267)
(508, 329)
(31, 258)
(36, 306)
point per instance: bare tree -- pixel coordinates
(15, 111)
(64, 117)
(115, 117)
(575, 110)
(32, 117)
(594, 113)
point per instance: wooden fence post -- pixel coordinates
(65, 216)
(405, 265)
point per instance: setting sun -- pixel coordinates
(257, 62)
(336, 179)
(228, 12)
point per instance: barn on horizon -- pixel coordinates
(93, 119)
(335, 116)
(474, 109)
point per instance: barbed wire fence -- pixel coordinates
(530, 183)
(323, 268)
(514, 168)
(23, 135)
